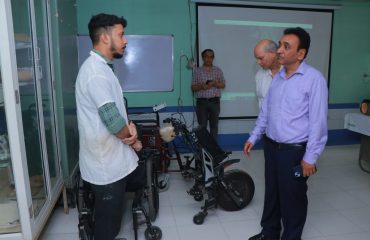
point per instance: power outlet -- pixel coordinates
(191, 64)
(158, 107)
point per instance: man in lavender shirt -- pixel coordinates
(293, 123)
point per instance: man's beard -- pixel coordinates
(116, 54)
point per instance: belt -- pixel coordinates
(209, 99)
(285, 145)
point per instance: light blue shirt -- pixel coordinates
(295, 110)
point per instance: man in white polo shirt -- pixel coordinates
(107, 140)
(266, 56)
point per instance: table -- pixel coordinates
(360, 123)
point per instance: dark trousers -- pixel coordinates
(285, 195)
(208, 109)
(109, 203)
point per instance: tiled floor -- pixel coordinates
(339, 205)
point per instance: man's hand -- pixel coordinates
(206, 86)
(132, 129)
(247, 148)
(216, 83)
(133, 134)
(308, 169)
(137, 146)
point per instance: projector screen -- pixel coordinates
(233, 31)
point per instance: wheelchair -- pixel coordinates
(232, 190)
(148, 208)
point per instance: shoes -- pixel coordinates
(260, 236)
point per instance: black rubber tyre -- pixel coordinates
(153, 233)
(84, 203)
(199, 218)
(152, 190)
(198, 197)
(238, 183)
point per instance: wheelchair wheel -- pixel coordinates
(235, 191)
(84, 204)
(199, 218)
(198, 197)
(153, 233)
(152, 189)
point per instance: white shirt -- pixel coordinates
(263, 80)
(103, 158)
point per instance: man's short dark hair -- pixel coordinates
(102, 22)
(207, 50)
(303, 36)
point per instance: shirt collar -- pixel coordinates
(109, 62)
(301, 70)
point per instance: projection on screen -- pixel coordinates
(232, 32)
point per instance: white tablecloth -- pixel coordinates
(357, 122)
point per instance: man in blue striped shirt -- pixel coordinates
(293, 122)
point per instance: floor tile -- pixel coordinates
(338, 209)
(332, 223)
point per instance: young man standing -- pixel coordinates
(107, 140)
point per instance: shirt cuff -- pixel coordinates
(117, 125)
(253, 139)
(310, 158)
(111, 117)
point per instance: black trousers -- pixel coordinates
(109, 203)
(208, 109)
(285, 195)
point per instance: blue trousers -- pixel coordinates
(285, 195)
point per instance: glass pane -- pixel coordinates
(9, 214)
(27, 68)
(46, 89)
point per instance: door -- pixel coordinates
(25, 63)
(31, 36)
(9, 219)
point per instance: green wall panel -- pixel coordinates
(147, 17)
(350, 49)
(350, 54)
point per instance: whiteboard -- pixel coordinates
(147, 64)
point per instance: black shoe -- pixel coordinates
(260, 236)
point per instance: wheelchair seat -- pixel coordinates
(206, 141)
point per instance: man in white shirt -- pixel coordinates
(266, 56)
(107, 157)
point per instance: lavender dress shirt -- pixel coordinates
(295, 110)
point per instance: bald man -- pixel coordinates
(266, 56)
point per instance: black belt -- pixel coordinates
(214, 99)
(285, 145)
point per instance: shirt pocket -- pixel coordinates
(294, 102)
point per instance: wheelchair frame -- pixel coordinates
(85, 202)
(232, 190)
